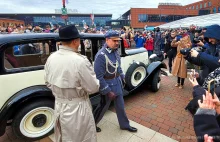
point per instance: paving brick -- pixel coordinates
(169, 123)
(191, 132)
(158, 114)
(181, 128)
(147, 124)
(183, 135)
(166, 118)
(138, 120)
(184, 124)
(165, 132)
(175, 121)
(154, 122)
(161, 125)
(175, 137)
(173, 130)
(155, 128)
(137, 115)
(160, 120)
(152, 116)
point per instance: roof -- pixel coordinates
(56, 14)
(7, 38)
(199, 21)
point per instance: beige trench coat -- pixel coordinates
(71, 78)
(179, 68)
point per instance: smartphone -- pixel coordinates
(211, 87)
(193, 73)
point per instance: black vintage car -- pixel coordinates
(27, 104)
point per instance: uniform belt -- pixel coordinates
(111, 77)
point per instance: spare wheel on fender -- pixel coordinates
(135, 74)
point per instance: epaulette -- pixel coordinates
(102, 53)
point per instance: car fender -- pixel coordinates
(10, 107)
(155, 66)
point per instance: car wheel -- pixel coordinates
(155, 86)
(34, 121)
(135, 74)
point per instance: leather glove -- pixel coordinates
(111, 95)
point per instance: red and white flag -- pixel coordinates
(65, 2)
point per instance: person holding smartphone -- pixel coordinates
(207, 118)
(179, 68)
(198, 90)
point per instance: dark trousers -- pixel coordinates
(119, 107)
(150, 52)
(162, 47)
(180, 80)
(171, 58)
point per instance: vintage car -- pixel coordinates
(26, 104)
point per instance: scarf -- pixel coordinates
(213, 75)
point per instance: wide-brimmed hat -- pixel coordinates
(68, 32)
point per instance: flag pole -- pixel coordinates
(64, 6)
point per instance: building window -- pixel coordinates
(115, 23)
(142, 17)
(192, 7)
(214, 10)
(218, 9)
(197, 7)
(200, 5)
(205, 5)
(210, 3)
(154, 18)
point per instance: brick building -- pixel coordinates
(205, 6)
(168, 12)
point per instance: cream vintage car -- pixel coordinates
(26, 104)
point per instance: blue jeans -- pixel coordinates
(162, 47)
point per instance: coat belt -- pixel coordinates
(72, 100)
(111, 77)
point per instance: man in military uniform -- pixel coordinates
(109, 73)
(71, 78)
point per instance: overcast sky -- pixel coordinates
(115, 7)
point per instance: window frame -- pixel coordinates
(22, 69)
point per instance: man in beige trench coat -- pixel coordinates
(71, 78)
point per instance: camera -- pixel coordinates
(197, 40)
(186, 51)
